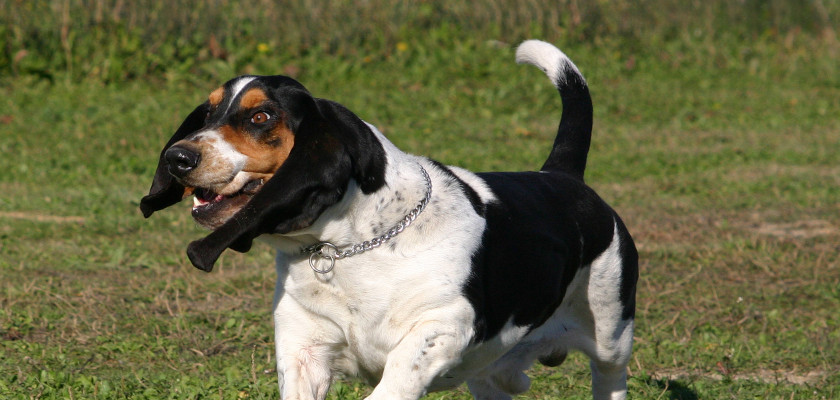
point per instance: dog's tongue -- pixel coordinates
(200, 200)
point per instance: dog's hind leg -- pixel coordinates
(609, 381)
(609, 360)
(609, 355)
(612, 304)
(485, 389)
(505, 377)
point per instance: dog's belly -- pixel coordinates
(478, 358)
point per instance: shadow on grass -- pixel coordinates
(674, 390)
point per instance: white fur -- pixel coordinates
(546, 57)
(237, 87)
(397, 312)
(381, 308)
(221, 165)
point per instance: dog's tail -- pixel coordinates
(572, 143)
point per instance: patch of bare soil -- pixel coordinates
(797, 230)
(40, 217)
(761, 375)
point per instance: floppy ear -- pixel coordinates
(366, 153)
(332, 146)
(165, 190)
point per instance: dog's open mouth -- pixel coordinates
(212, 209)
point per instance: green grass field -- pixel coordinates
(720, 153)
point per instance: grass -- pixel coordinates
(720, 155)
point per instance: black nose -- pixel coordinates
(181, 161)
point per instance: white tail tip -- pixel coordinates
(546, 57)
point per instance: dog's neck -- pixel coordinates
(360, 217)
(329, 253)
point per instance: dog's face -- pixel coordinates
(246, 137)
(262, 155)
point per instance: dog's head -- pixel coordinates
(262, 155)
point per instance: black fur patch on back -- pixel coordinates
(543, 228)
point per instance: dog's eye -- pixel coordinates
(260, 118)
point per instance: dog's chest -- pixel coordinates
(369, 302)
(372, 299)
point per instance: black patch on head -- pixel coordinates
(332, 146)
(541, 231)
(278, 90)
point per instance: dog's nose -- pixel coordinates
(181, 161)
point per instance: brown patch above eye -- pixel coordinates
(253, 98)
(216, 96)
(264, 155)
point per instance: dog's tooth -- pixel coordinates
(197, 202)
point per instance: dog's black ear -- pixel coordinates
(332, 146)
(366, 154)
(165, 190)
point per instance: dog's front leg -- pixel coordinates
(303, 363)
(303, 358)
(302, 376)
(428, 351)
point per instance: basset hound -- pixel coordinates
(410, 274)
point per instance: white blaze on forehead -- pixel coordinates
(236, 88)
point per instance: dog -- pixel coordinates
(411, 274)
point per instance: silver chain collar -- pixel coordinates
(329, 251)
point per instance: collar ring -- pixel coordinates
(318, 251)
